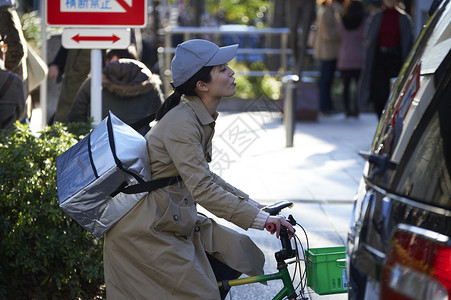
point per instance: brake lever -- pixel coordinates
(291, 220)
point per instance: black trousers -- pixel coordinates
(222, 272)
(350, 101)
(386, 66)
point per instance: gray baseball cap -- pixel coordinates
(193, 55)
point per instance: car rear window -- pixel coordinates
(413, 141)
(424, 172)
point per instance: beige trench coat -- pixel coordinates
(327, 41)
(158, 250)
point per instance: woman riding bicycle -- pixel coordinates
(163, 248)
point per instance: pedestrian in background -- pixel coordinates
(388, 39)
(16, 56)
(326, 48)
(73, 66)
(350, 58)
(12, 98)
(129, 90)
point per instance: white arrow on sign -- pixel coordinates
(77, 38)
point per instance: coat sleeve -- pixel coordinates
(11, 27)
(407, 34)
(60, 59)
(329, 23)
(12, 102)
(228, 187)
(80, 109)
(183, 143)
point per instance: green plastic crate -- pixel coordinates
(326, 270)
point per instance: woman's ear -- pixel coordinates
(202, 86)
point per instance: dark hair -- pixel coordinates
(129, 52)
(354, 15)
(186, 88)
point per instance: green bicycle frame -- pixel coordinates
(283, 274)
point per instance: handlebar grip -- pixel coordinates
(270, 227)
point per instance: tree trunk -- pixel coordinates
(276, 19)
(198, 6)
(301, 14)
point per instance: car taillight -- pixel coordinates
(418, 266)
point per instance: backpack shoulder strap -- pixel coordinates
(143, 122)
(152, 185)
(6, 84)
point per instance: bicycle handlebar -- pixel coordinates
(286, 251)
(270, 227)
(284, 234)
(274, 209)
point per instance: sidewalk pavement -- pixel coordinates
(323, 164)
(320, 174)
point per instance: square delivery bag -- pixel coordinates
(105, 175)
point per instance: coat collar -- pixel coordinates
(199, 108)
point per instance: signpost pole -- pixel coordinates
(43, 87)
(290, 82)
(96, 86)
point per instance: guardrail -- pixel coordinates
(289, 80)
(166, 53)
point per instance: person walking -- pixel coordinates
(163, 248)
(350, 57)
(73, 67)
(12, 98)
(388, 39)
(325, 50)
(129, 90)
(16, 56)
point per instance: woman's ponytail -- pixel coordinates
(172, 101)
(187, 88)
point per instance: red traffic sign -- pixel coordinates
(96, 13)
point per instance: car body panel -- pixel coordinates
(407, 178)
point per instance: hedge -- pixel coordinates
(44, 254)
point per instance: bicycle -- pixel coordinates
(287, 252)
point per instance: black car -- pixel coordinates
(399, 244)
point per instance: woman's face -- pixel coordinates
(222, 82)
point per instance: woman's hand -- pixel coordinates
(53, 72)
(277, 221)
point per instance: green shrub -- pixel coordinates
(272, 87)
(249, 87)
(32, 25)
(244, 88)
(44, 254)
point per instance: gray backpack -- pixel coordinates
(105, 175)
